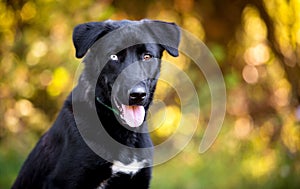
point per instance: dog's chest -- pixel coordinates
(131, 168)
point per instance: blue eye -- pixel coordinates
(114, 57)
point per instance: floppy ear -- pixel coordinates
(85, 35)
(169, 34)
(173, 33)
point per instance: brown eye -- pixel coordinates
(147, 57)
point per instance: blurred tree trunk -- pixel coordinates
(222, 18)
(289, 62)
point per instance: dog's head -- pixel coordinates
(125, 58)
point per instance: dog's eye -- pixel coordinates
(114, 57)
(147, 57)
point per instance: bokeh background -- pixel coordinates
(256, 44)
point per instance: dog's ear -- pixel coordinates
(173, 35)
(169, 34)
(85, 35)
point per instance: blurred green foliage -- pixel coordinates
(256, 44)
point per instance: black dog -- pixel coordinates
(100, 138)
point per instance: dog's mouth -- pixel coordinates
(131, 115)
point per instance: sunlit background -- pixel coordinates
(257, 46)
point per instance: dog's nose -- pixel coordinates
(137, 95)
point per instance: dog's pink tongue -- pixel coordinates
(133, 115)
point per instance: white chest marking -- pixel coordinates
(131, 168)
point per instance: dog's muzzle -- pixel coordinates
(131, 106)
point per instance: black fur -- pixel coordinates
(62, 158)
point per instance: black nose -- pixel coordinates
(137, 95)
